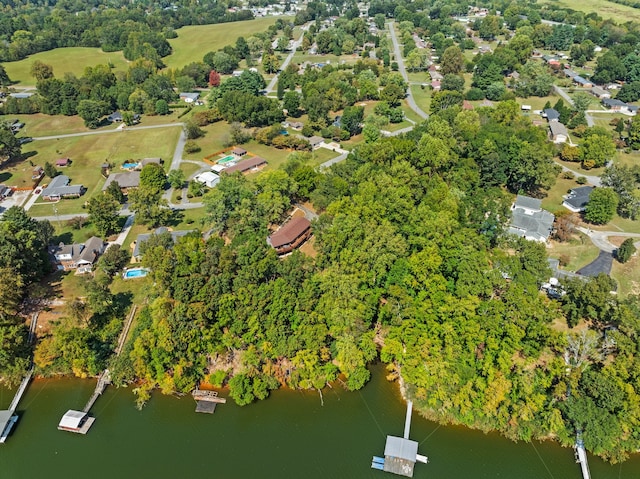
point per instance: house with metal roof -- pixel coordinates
(578, 198)
(290, 236)
(59, 188)
(600, 92)
(207, 178)
(529, 220)
(551, 114)
(189, 97)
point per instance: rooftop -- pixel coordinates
(72, 419)
(246, 165)
(578, 198)
(142, 238)
(289, 232)
(130, 179)
(528, 203)
(551, 114)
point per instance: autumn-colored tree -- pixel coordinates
(214, 78)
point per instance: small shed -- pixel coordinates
(62, 162)
(239, 152)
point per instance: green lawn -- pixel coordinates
(607, 10)
(628, 159)
(64, 60)
(195, 41)
(88, 153)
(553, 201)
(575, 166)
(300, 57)
(422, 96)
(40, 124)
(628, 276)
(580, 251)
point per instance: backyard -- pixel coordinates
(88, 153)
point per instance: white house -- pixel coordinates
(208, 178)
(189, 97)
(558, 132)
(529, 220)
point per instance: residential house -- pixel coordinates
(142, 238)
(59, 188)
(246, 165)
(529, 220)
(578, 198)
(15, 125)
(600, 92)
(581, 81)
(290, 236)
(570, 73)
(207, 178)
(551, 114)
(81, 256)
(126, 181)
(618, 105)
(558, 132)
(63, 162)
(315, 141)
(115, 117)
(189, 97)
(436, 85)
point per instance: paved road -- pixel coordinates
(403, 72)
(601, 238)
(175, 161)
(272, 84)
(594, 180)
(102, 132)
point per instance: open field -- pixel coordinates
(40, 124)
(607, 10)
(64, 60)
(87, 154)
(195, 41)
(627, 159)
(422, 96)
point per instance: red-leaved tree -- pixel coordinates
(214, 78)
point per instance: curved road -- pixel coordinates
(403, 72)
(601, 238)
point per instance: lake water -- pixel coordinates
(290, 435)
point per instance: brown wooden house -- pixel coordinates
(290, 236)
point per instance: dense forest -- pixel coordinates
(412, 267)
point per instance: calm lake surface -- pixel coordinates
(290, 435)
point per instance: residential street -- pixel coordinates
(403, 72)
(272, 84)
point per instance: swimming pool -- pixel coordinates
(130, 166)
(135, 273)
(226, 159)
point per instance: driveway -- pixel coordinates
(602, 264)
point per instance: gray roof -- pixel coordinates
(579, 197)
(59, 186)
(72, 419)
(558, 128)
(537, 226)
(115, 116)
(130, 179)
(581, 80)
(551, 114)
(527, 202)
(611, 102)
(596, 90)
(401, 448)
(193, 96)
(92, 248)
(5, 417)
(315, 140)
(142, 238)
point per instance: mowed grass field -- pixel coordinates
(195, 41)
(64, 60)
(87, 154)
(605, 9)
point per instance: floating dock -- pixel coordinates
(206, 401)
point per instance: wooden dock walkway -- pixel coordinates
(581, 457)
(23, 387)
(103, 381)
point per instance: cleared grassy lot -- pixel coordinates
(64, 60)
(87, 154)
(579, 252)
(607, 10)
(195, 41)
